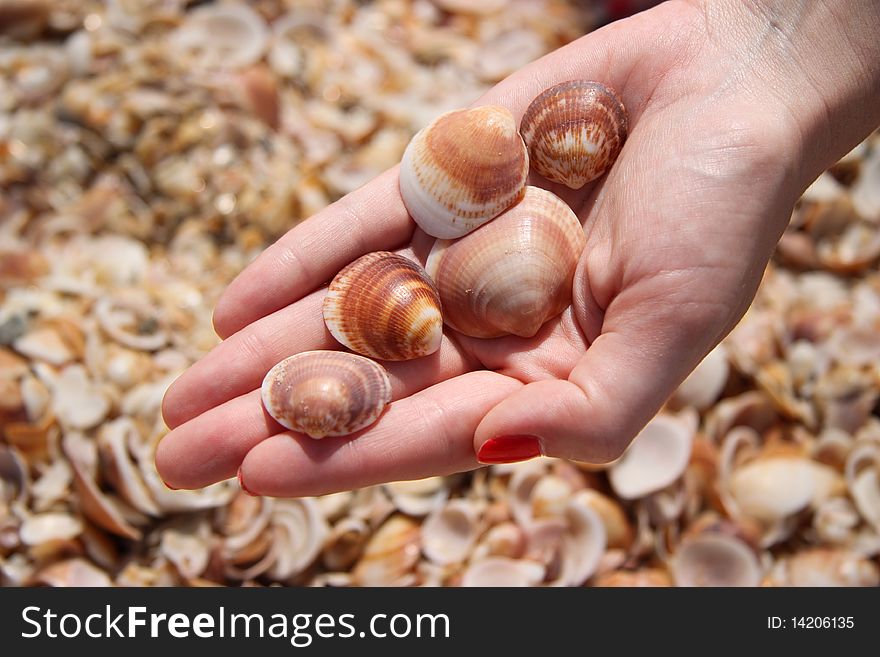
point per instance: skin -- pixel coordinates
(735, 107)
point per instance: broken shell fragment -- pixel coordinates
(715, 560)
(223, 36)
(391, 553)
(656, 458)
(513, 274)
(825, 567)
(449, 534)
(384, 306)
(502, 571)
(326, 393)
(574, 131)
(462, 170)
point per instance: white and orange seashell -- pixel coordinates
(462, 170)
(385, 306)
(574, 131)
(326, 393)
(513, 274)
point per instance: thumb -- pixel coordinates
(616, 387)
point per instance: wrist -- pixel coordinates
(817, 62)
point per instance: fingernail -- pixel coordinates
(509, 449)
(169, 486)
(243, 487)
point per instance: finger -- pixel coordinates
(374, 217)
(429, 433)
(211, 446)
(238, 364)
(371, 218)
(616, 387)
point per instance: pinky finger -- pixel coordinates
(429, 433)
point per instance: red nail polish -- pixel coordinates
(243, 487)
(509, 449)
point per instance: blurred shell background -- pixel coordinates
(149, 149)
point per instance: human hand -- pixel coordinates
(725, 132)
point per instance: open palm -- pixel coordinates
(678, 234)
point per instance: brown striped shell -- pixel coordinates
(326, 393)
(463, 169)
(513, 274)
(384, 306)
(574, 131)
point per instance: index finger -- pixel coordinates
(372, 218)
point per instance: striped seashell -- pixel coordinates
(463, 169)
(513, 274)
(326, 393)
(384, 306)
(574, 131)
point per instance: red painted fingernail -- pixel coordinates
(243, 487)
(509, 449)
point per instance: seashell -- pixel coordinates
(866, 190)
(449, 534)
(646, 577)
(506, 53)
(506, 539)
(114, 439)
(96, 505)
(259, 94)
(520, 487)
(513, 274)
(44, 344)
(50, 526)
(24, 20)
(78, 401)
(550, 496)
(384, 306)
(326, 393)
(584, 543)
(862, 473)
(704, 385)
(715, 560)
(189, 551)
(501, 571)
(222, 35)
(835, 520)
(656, 458)
(52, 486)
(419, 497)
(825, 567)
(463, 169)
(618, 528)
(73, 572)
(476, 8)
(770, 489)
(132, 322)
(574, 131)
(391, 553)
(345, 543)
(335, 505)
(299, 531)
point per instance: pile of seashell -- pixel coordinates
(149, 150)
(508, 272)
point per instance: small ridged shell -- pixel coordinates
(384, 306)
(326, 393)
(574, 131)
(463, 169)
(513, 274)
